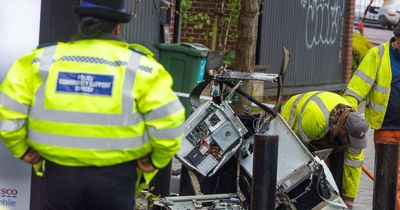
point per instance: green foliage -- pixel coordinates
(145, 199)
(233, 9)
(360, 49)
(229, 17)
(185, 6)
(229, 58)
(201, 20)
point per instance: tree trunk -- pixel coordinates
(246, 47)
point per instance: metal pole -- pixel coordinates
(385, 185)
(265, 162)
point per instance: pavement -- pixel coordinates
(376, 35)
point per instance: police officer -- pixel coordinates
(96, 109)
(326, 120)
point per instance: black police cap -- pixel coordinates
(113, 10)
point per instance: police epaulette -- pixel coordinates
(139, 51)
(46, 45)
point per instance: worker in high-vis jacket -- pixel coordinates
(99, 111)
(325, 120)
(377, 81)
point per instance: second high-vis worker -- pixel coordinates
(326, 120)
(377, 81)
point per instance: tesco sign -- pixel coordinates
(8, 192)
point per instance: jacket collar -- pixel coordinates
(102, 36)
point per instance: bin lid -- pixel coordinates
(193, 49)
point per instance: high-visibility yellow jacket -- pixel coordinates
(372, 82)
(308, 115)
(90, 103)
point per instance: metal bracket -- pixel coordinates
(323, 154)
(236, 75)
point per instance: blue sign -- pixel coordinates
(202, 69)
(92, 84)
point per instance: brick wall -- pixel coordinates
(347, 40)
(190, 34)
(172, 20)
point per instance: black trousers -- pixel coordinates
(89, 188)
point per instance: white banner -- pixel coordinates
(15, 182)
(19, 29)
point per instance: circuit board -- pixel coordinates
(213, 132)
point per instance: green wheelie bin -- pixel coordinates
(186, 62)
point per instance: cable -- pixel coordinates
(261, 121)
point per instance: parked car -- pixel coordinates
(389, 14)
(372, 13)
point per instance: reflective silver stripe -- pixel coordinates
(354, 94)
(381, 89)
(376, 86)
(381, 50)
(86, 142)
(44, 67)
(164, 111)
(11, 125)
(129, 80)
(369, 80)
(88, 118)
(303, 135)
(299, 120)
(375, 106)
(293, 110)
(126, 118)
(353, 163)
(46, 61)
(365, 77)
(353, 150)
(12, 104)
(325, 111)
(169, 133)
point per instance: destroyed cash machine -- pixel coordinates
(214, 135)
